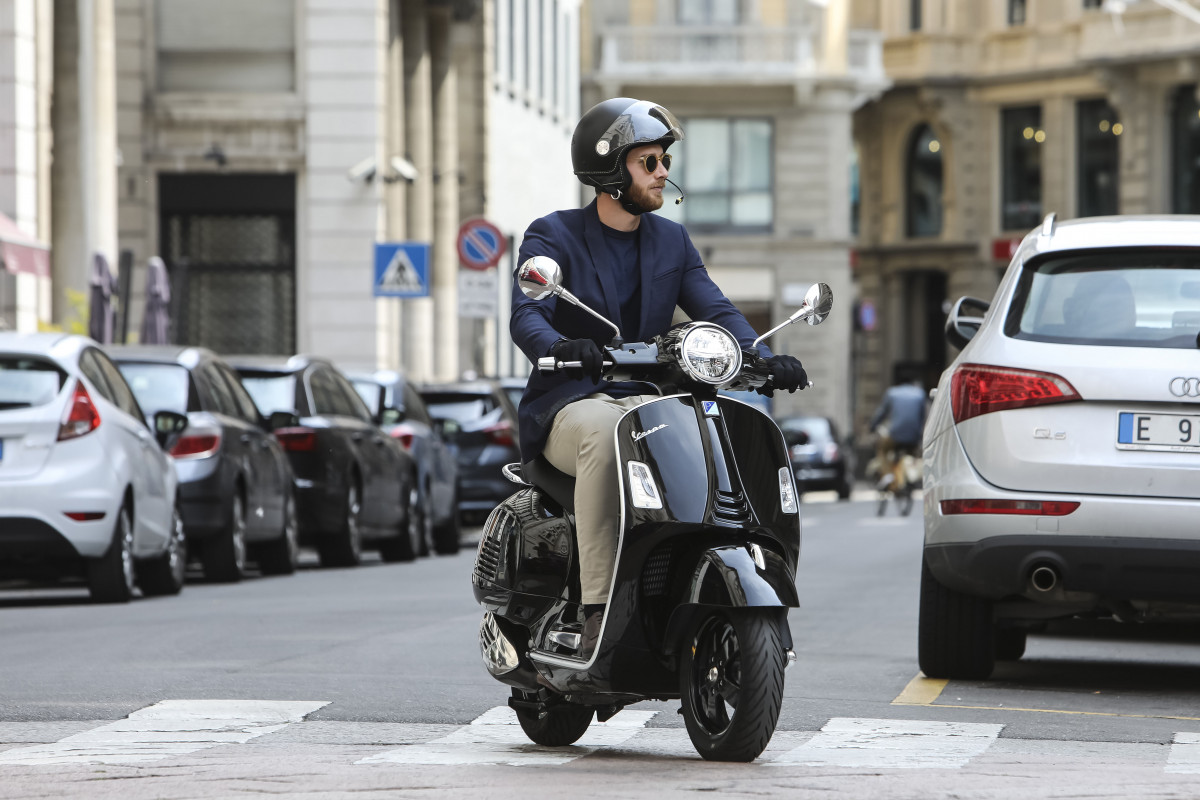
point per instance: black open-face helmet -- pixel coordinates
(608, 130)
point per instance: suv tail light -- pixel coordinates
(405, 437)
(297, 440)
(81, 415)
(501, 433)
(979, 389)
(197, 443)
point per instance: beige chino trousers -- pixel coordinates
(581, 444)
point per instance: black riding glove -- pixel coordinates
(786, 373)
(584, 351)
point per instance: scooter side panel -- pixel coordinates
(666, 435)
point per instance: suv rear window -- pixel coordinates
(271, 391)
(1116, 298)
(27, 382)
(158, 387)
(469, 410)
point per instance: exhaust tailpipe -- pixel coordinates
(1043, 578)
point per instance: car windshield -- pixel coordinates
(158, 387)
(805, 430)
(1122, 298)
(271, 391)
(26, 381)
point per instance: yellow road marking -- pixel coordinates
(922, 691)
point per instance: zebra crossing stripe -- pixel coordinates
(893, 744)
(496, 738)
(1184, 757)
(165, 729)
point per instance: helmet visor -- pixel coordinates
(641, 123)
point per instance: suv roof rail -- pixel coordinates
(1048, 224)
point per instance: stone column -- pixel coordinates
(83, 174)
(444, 281)
(418, 110)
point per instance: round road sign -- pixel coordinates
(480, 244)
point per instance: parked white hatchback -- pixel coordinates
(1062, 450)
(85, 484)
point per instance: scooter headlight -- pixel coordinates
(709, 354)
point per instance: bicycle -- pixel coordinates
(899, 474)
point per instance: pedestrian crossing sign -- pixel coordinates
(401, 269)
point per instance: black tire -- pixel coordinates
(224, 555)
(844, 491)
(1010, 644)
(731, 683)
(282, 556)
(111, 577)
(905, 501)
(881, 506)
(344, 548)
(406, 544)
(559, 725)
(166, 574)
(447, 536)
(956, 632)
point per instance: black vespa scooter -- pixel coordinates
(706, 564)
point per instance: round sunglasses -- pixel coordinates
(650, 162)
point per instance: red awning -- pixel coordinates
(20, 252)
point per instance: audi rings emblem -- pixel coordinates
(1185, 387)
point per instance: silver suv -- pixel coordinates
(1062, 451)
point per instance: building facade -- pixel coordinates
(1001, 112)
(765, 90)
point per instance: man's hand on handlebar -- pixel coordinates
(786, 373)
(585, 352)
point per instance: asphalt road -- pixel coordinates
(370, 679)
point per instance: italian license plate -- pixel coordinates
(1169, 432)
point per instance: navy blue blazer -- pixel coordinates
(672, 275)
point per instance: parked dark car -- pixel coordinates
(401, 413)
(355, 485)
(235, 484)
(819, 456)
(482, 421)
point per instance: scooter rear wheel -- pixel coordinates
(557, 725)
(731, 682)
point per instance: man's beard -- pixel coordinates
(644, 198)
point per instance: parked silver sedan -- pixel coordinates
(1062, 451)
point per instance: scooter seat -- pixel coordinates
(551, 480)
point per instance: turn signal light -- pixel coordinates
(297, 440)
(1040, 508)
(195, 445)
(980, 389)
(501, 433)
(81, 416)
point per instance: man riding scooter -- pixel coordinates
(635, 268)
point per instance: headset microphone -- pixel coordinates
(676, 185)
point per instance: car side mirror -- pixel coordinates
(168, 427)
(964, 320)
(283, 419)
(392, 416)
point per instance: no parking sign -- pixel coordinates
(480, 244)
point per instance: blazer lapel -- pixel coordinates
(599, 253)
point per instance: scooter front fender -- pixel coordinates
(741, 576)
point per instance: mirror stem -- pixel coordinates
(777, 328)
(575, 301)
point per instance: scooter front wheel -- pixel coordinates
(731, 682)
(556, 725)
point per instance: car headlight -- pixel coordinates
(709, 354)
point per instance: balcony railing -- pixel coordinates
(734, 54)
